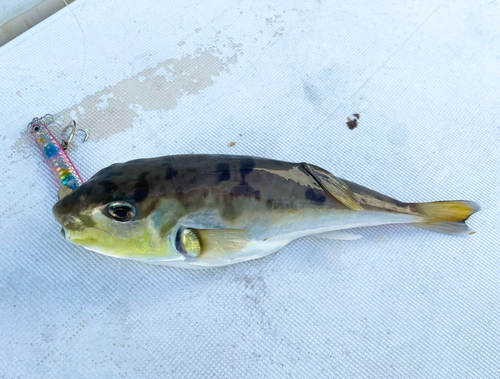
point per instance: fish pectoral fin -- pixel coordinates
(334, 187)
(339, 235)
(222, 240)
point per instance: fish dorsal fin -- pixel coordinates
(334, 187)
(339, 235)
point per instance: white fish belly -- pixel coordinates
(269, 238)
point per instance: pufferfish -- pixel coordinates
(196, 211)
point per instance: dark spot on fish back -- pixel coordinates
(246, 167)
(223, 172)
(140, 194)
(315, 195)
(142, 188)
(108, 186)
(170, 173)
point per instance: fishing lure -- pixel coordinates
(62, 168)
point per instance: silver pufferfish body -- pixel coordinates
(196, 211)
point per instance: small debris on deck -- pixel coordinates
(353, 123)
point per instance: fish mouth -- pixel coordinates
(74, 233)
(67, 220)
(59, 214)
(90, 238)
(66, 217)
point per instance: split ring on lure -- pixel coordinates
(55, 155)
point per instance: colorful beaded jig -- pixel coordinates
(55, 155)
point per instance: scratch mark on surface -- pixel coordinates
(377, 70)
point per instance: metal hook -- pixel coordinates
(72, 126)
(37, 120)
(45, 120)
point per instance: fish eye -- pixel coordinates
(36, 128)
(121, 211)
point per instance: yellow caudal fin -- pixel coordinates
(446, 217)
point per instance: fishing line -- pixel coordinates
(84, 52)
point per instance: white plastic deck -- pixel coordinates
(279, 80)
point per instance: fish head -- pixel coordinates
(119, 214)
